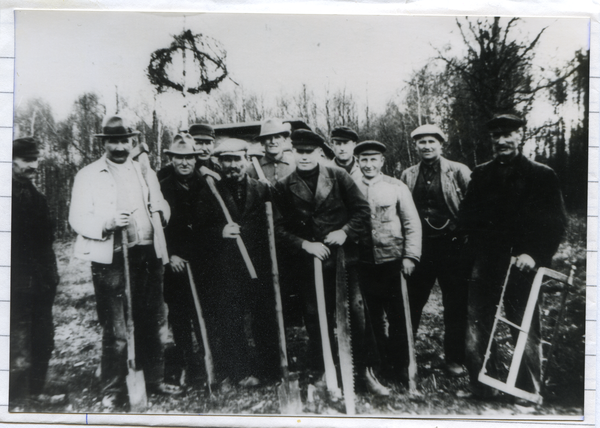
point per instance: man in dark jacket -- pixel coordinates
(225, 283)
(180, 190)
(513, 207)
(321, 210)
(34, 277)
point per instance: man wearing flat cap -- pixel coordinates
(226, 288)
(513, 208)
(180, 190)
(438, 186)
(343, 142)
(34, 278)
(110, 195)
(392, 246)
(277, 162)
(322, 209)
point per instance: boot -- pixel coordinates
(373, 385)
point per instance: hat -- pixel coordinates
(304, 137)
(183, 144)
(505, 121)
(231, 146)
(116, 127)
(328, 151)
(369, 148)
(25, 148)
(343, 133)
(429, 130)
(202, 131)
(273, 127)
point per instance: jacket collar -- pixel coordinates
(373, 181)
(324, 185)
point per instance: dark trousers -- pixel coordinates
(441, 260)
(485, 286)
(31, 341)
(381, 285)
(146, 273)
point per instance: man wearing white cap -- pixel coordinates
(277, 162)
(438, 186)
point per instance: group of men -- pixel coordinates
(439, 222)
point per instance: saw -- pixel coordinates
(342, 319)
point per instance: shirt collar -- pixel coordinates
(435, 166)
(266, 160)
(372, 181)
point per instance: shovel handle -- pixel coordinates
(412, 360)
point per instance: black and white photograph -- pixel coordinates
(287, 214)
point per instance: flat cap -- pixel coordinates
(369, 148)
(343, 133)
(202, 131)
(231, 147)
(505, 121)
(429, 130)
(26, 148)
(304, 137)
(183, 144)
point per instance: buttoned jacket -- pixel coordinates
(454, 177)
(395, 223)
(275, 170)
(94, 203)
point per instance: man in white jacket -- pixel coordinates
(109, 195)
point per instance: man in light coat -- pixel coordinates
(109, 195)
(278, 162)
(438, 185)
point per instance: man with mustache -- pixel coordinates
(513, 208)
(226, 288)
(343, 142)
(277, 163)
(34, 278)
(438, 185)
(110, 195)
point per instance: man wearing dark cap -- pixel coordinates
(226, 287)
(392, 246)
(438, 186)
(277, 163)
(180, 190)
(110, 195)
(34, 278)
(321, 210)
(513, 208)
(343, 142)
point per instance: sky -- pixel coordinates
(60, 54)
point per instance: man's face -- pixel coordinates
(117, 149)
(429, 148)
(506, 143)
(233, 167)
(183, 164)
(307, 157)
(274, 144)
(371, 164)
(24, 168)
(344, 150)
(204, 148)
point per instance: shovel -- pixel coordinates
(136, 385)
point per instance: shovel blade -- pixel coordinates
(136, 389)
(290, 402)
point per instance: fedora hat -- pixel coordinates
(274, 127)
(183, 144)
(116, 127)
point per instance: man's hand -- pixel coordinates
(337, 237)
(177, 263)
(121, 219)
(231, 231)
(316, 249)
(525, 263)
(408, 266)
(265, 181)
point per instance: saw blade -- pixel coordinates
(342, 313)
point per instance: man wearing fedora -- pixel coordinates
(180, 190)
(109, 195)
(322, 209)
(277, 163)
(513, 208)
(225, 283)
(392, 247)
(343, 142)
(34, 278)
(438, 186)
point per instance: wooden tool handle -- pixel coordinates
(412, 360)
(128, 301)
(258, 168)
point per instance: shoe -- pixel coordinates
(373, 385)
(52, 400)
(225, 386)
(455, 369)
(164, 389)
(112, 401)
(249, 381)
